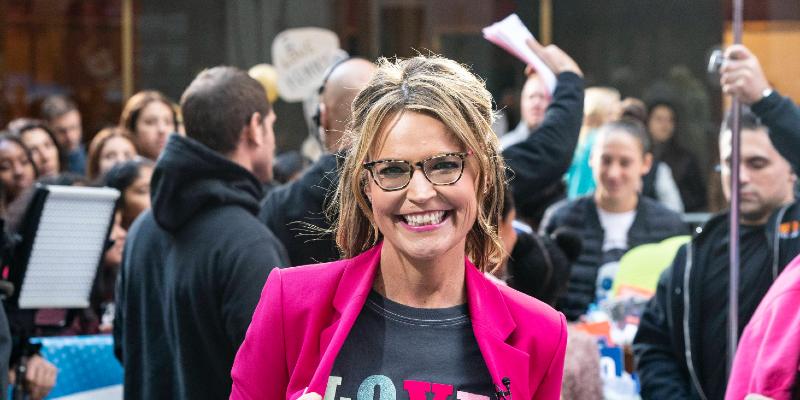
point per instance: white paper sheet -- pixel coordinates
(511, 34)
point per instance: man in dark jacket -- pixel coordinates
(537, 164)
(296, 211)
(680, 347)
(195, 264)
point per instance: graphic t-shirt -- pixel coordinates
(615, 227)
(399, 352)
(615, 243)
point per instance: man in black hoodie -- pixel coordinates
(195, 264)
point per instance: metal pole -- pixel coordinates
(733, 293)
(127, 49)
(545, 22)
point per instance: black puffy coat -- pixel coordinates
(653, 223)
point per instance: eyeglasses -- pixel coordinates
(442, 169)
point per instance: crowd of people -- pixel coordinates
(50, 150)
(421, 255)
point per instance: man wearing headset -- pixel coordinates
(292, 211)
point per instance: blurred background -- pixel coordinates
(99, 52)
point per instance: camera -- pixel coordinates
(715, 61)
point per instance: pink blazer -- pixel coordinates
(305, 314)
(767, 360)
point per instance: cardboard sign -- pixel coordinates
(301, 57)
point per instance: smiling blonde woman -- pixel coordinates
(408, 313)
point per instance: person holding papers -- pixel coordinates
(537, 164)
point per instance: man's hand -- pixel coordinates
(40, 377)
(742, 76)
(556, 59)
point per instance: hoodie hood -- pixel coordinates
(190, 178)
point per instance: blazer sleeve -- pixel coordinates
(260, 370)
(768, 356)
(550, 389)
(661, 374)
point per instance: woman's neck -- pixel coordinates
(613, 205)
(434, 283)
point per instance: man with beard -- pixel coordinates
(680, 347)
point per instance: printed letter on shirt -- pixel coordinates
(386, 388)
(333, 384)
(419, 390)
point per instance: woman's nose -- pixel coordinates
(165, 128)
(419, 188)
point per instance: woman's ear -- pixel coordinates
(367, 188)
(476, 180)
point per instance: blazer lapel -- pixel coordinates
(491, 321)
(351, 294)
(492, 324)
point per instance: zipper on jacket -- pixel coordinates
(686, 336)
(777, 240)
(671, 287)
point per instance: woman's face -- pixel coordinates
(618, 164)
(16, 169)
(661, 123)
(43, 151)
(422, 221)
(153, 127)
(137, 197)
(116, 150)
(113, 256)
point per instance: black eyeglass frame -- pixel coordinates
(368, 165)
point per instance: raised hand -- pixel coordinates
(742, 76)
(556, 59)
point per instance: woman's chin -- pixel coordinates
(425, 251)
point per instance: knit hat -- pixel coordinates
(540, 265)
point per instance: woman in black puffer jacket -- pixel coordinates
(615, 217)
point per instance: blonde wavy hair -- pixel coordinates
(445, 90)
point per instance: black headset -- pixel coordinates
(316, 117)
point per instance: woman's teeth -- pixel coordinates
(430, 218)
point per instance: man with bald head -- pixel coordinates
(533, 102)
(290, 210)
(341, 86)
